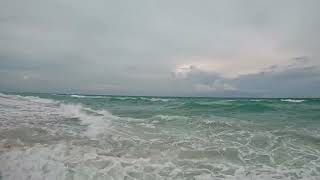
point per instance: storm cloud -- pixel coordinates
(178, 48)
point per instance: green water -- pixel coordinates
(160, 137)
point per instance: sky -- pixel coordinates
(247, 48)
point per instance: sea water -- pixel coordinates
(52, 136)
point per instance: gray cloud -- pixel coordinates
(138, 47)
(298, 79)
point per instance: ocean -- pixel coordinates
(56, 136)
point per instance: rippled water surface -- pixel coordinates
(49, 136)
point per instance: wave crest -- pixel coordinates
(292, 100)
(97, 121)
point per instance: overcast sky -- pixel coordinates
(261, 48)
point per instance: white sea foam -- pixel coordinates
(32, 110)
(216, 102)
(169, 118)
(88, 96)
(29, 98)
(77, 96)
(125, 98)
(67, 161)
(153, 99)
(40, 100)
(292, 100)
(256, 100)
(3, 95)
(96, 123)
(181, 148)
(107, 97)
(157, 99)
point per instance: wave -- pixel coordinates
(72, 161)
(156, 99)
(231, 100)
(195, 147)
(169, 118)
(28, 98)
(237, 106)
(124, 98)
(39, 100)
(292, 100)
(152, 99)
(255, 100)
(66, 161)
(77, 96)
(87, 96)
(97, 121)
(3, 95)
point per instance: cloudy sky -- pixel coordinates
(145, 47)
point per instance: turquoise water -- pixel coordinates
(52, 136)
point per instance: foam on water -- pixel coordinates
(169, 118)
(156, 99)
(48, 139)
(67, 161)
(78, 96)
(125, 98)
(24, 110)
(292, 100)
(152, 99)
(256, 100)
(90, 96)
(96, 124)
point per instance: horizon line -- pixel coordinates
(166, 96)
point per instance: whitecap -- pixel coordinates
(125, 98)
(153, 99)
(88, 96)
(292, 100)
(256, 100)
(77, 96)
(39, 100)
(30, 111)
(169, 118)
(97, 124)
(231, 100)
(160, 99)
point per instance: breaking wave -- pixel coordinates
(88, 96)
(293, 100)
(96, 121)
(29, 108)
(237, 106)
(51, 139)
